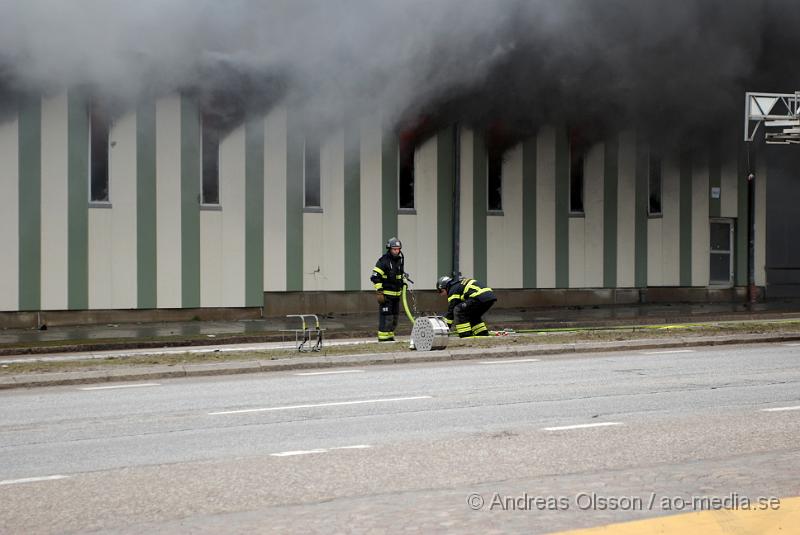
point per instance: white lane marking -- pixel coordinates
(508, 361)
(581, 426)
(119, 386)
(319, 450)
(298, 452)
(792, 344)
(31, 479)
(780, 409)
(311, 406)
(668, 352)
(330, 373)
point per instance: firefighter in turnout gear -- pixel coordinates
(388, 278)
(467, 302)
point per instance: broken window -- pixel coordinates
(406, 174)
(99, 126)
(311, 174)
(654, 185)
(577, 157)
(210, 161)
(494, 180)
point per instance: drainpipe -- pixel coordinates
(751, 238)
(456, 196)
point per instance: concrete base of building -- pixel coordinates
(282, 303)
(279, 304)
(57, 318)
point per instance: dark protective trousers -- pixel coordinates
(387, 318)
(468, 317)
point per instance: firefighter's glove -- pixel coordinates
(380, 297)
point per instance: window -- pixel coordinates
(654, 185)
(210, 161)
(406, 174)
(311, 174)
(98, 154)
(576, 169)
(494, 180)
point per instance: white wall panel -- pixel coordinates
(332, 183)
(9, 214)
(700, 222)
(671, 222)
(275, 201)
(729, 170)
(425, 273)
(232, 200)
(168, 202)
(593, 204)
(546, 208)
(577, 252)
(655, 252)
(371, 195)
(212, 269)
(54, 202)
(626, 211)
(466, 252)
(504, 232)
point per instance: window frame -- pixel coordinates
(498, 156)
(650, 159)
(95, 115)
(310, 142)
(577, 154)
(407, 162)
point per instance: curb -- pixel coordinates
(397, 357)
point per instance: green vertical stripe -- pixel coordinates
(389, 187)
(686, 218)
(610, 215)
(30, 204)
(294, 206)
(640, 210)
(254, 212)
(445, 181)
(479, 207)
(146, 251)
(352, 209)
(77, 202)
(529, 213)
(190, 202)
(714, 181)
(742, 217)
(562, 207)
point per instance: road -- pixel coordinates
(407, 448)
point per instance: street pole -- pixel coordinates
(751, 243)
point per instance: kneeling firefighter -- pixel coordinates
(387, 276)
(467, 302)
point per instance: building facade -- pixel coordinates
(171, 219)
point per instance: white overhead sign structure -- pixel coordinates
(780, 114)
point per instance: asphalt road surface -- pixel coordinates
(517, 445)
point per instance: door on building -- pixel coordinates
(721, 261)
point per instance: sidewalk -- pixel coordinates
(118, 336)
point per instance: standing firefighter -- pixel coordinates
(467, 302)
(387, 276)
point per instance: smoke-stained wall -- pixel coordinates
(140, 248)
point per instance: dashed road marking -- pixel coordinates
(509, 361)
(781, 409)
(119, 386)
(315, 405)
(319, 450)
(330, 373)
(31, 479)
(668, 351)
(581, 426)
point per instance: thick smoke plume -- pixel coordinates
(661, 65)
